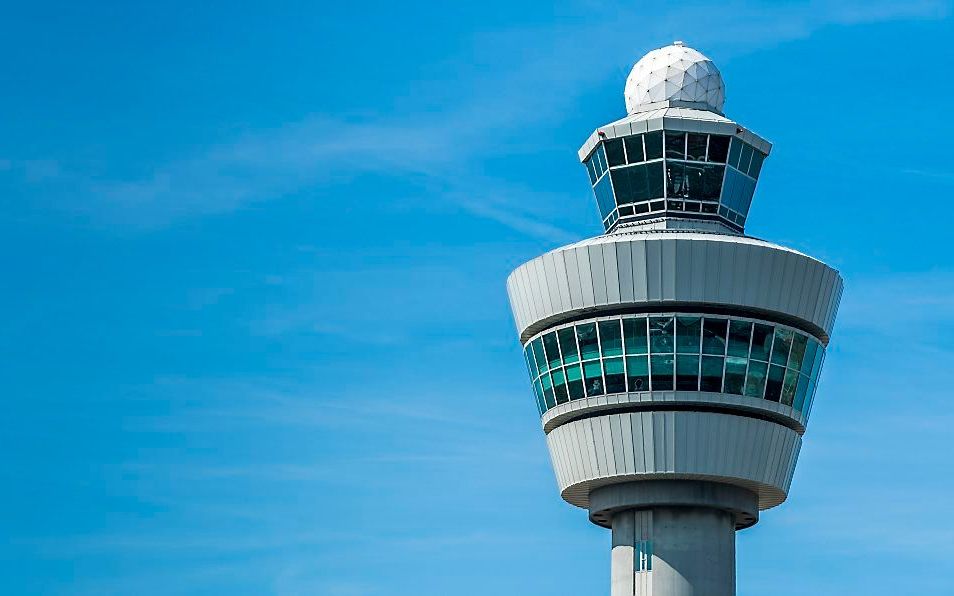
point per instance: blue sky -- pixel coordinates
(257, 339)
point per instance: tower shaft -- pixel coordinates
(673, 551)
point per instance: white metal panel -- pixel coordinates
(707, 269)
(748, 452)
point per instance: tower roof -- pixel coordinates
(675, 74)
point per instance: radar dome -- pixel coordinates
(675, 73)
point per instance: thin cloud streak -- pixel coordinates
(445, 147)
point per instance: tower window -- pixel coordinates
(685, 352)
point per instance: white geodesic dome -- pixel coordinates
(674, 73)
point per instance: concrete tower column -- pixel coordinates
(677, 551)
(673, 537)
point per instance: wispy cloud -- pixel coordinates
(542, 72)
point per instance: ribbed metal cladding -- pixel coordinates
(674, 268)
(756, 454)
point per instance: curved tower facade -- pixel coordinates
(674, 359)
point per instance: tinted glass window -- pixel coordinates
(610, 338)
(586, 336)
(568, 345)
(661, 334)
(614, 152)
(639, 183)
(621, 186)
(552, 351)
(687, 372)
(615, 375)
(676, 184)
(745, 158)
(547, 390)
(734, 375)
(637, 373)
(712, 373)
(783, 344)
(788, 387)
(662, 373)
(676, 145)
(654, 145)
(634, 149)
(688, 330)
(713, 336)
(718, 148)
(755, 379)
(654, 173)
(559, 387)
(574, 382)
(712, 182)
(531, 363)
(593, 378)
(735, 149)
(696, 147)
(590, 170)
(756, 166)
(800, 392)
(761, 342)
(799, 344)
(634, 331)
(674, 361)
(739, 334)
(539, 357)
(773, 390)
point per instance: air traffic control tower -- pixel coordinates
(674, 359)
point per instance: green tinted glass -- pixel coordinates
(634, 149)
(538, 392)
(634, 332)
(761, 342)
(574, 381)
(788, 387)
(661, 335)
(614, 152)
(637, 373)
(538, 355)
(593, 378)
(615, 375)
(687, 373)
(714, 336)
(801, 392)
(734, 151)
(734, 375)
(773, 390)
(712, 373)
(755, 379)
(559, 386)
(552, 350)
(586, 336)
(783, 345)
(676, 145)
(808, 361)
(662, 373)
(531, 362)
(688, 332)
(568, 345)
(611, 340)
(547, 390)
(654, 145)
(799, 344)
(740, 332)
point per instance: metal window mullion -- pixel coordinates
(748, 358)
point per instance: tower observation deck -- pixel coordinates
(674, 359)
